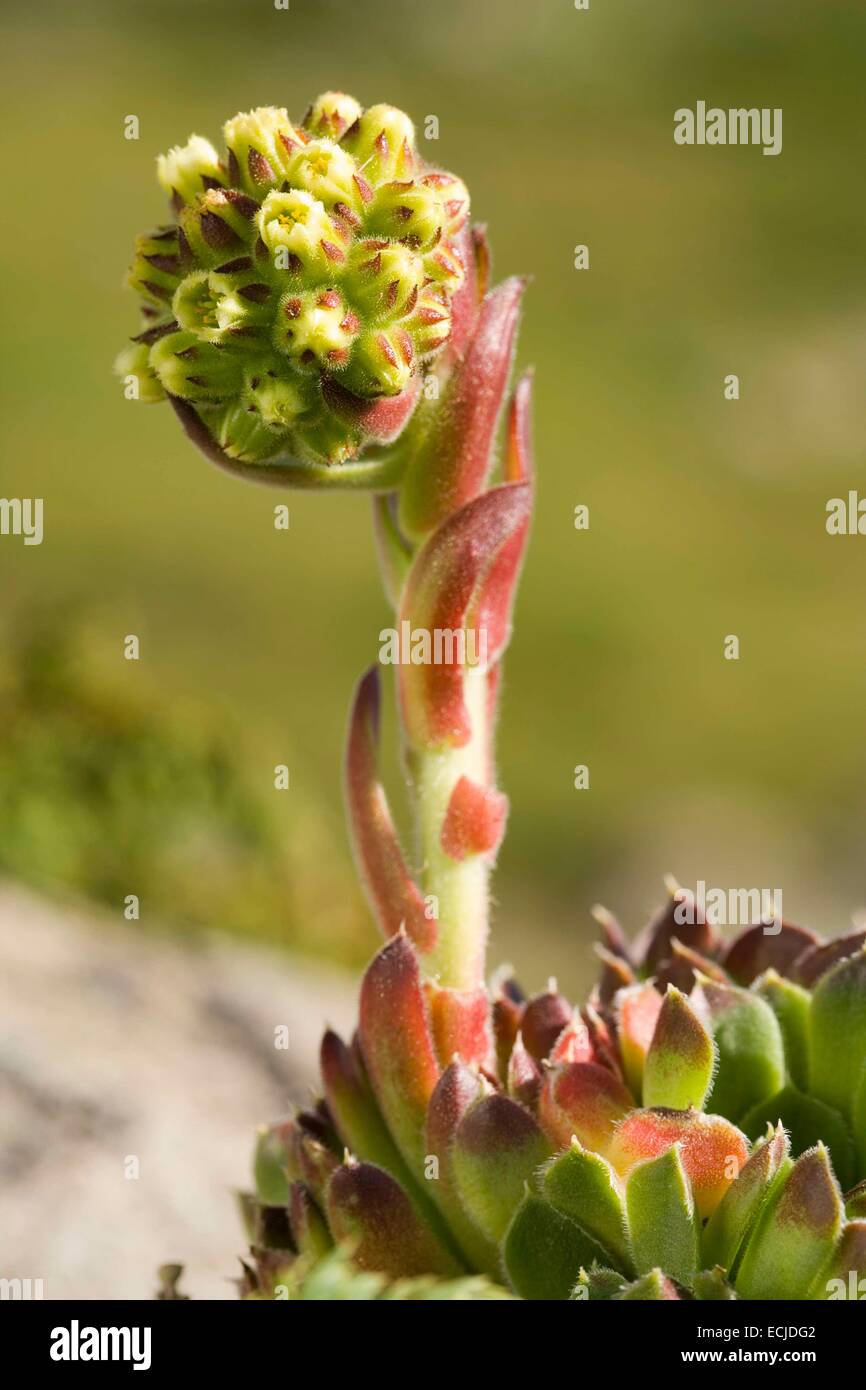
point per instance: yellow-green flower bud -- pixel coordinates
(158, 265)
(188, 170)
(299, 235)
(453, 197)
(386, 278)
(382, 140)
(316, 329)
(258, 144)
(382, 363)
(279, 403)
(328, 172)
(216, 306)
(331, 114)
(307, 266)
(195, 370)
(133, 363)
(243, 434)
(408, 211)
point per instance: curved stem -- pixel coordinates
(375, 475)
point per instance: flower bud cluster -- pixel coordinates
(305, 255)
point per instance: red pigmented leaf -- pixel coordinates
(453, 462)
(758, 949)
(680, 917)
(574, 1043)
(817, 960)
(469, 244)
(612, 935)
(369, 1208)
(681, 967)
(458, 1088)
(713, 1150)
(584, 1100)
(474, 822)
(379, 420)
(616, 974)
(544, 1018)
(507, 1011)
(524, 1075)
(397, 1044)
(395, 897)
(518, 444)
(463, 578)
(460, 1023)
(637, 1012)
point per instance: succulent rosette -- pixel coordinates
(306, 283)
(582, 1153)
(695, 1130)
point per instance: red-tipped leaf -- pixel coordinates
(395, 897)
(463, 580)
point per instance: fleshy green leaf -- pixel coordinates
(353, 1107)
(858, 1116)
(735, 1215)
(458, 1088)
(838, 1032)
(679, 1065)
(791, 1004)
(336, 1279)
(844, 1275)
(795, 1233)
(584, 1187)
(750, 1047)
(269, 1163)
(309, 1228)
(808, 1121)
(497, 1150)
(544, 1252)
(661, 1216)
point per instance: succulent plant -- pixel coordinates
(570, 1153)
(672, 1138)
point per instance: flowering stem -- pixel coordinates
(459, 887)
(456, 889)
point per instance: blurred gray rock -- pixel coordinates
(118, 1045)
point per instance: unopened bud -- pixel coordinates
(331, 114)
(188, 170)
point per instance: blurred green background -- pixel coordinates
(707, 516)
